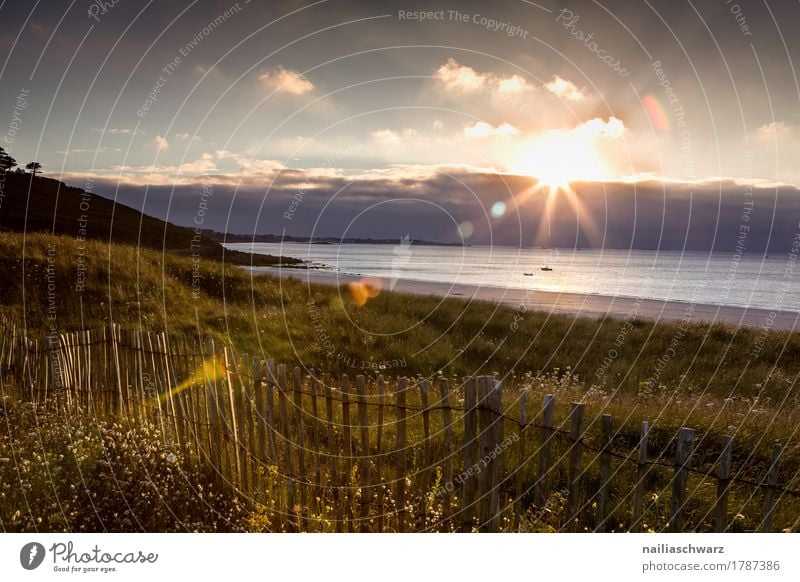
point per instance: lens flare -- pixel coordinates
(210, 370)
(364, 290)
(656, 113)
(498, 209)
(465, 229)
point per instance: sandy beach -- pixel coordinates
(579, 305)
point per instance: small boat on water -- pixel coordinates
(528, 274)
(546, 269)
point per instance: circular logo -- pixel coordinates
(31, 555)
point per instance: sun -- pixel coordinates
(557, 158)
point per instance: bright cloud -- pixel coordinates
(287, 81)
(774, 130)
(457, 77)
(460, 77)
(512, 85)
(565, 89)
(161, 143)
(187, 137)
(483, 129)
(597, 128)
(119, 131)
(387, 136)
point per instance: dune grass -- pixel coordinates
(321, 326)
(716, 378)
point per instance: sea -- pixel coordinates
(742, 280)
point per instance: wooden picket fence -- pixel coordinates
(372, 453)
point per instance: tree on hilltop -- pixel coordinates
(34, 168)
(6, 161)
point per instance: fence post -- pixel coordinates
(400, 495)
(232, 402)
(213, 410)
(286, 435)
(772, 484)
(313, 382)
(379, 450)
(641, 464)
(520, 470)
(605, 471)
(269, 395)
(261, 423)
(122, 402)
(470, 452)
(251, 459)
(491, 434)
(344, 385)
(447, 421)
(723, 485)
(548, 414)
(171, 384)
(576, 450)
(364, 455)
(679, 480)
(424, 474)
(299, 436)
(332, 459)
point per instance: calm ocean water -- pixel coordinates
(714, 278)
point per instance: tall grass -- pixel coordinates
(320, 326)
(710, 377)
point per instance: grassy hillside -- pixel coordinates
(711, 381)
(138, 286)
(45, 205)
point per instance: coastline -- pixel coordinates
(577, 304)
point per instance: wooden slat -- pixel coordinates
(679, 480)
(548, 415)
(400, 492)
(641, 471)
(605, 471)
(262, 451)
(449, 452)
(468, 496)
(379, 452)
(250, 453)
(234, 406)
(723, 485)
(364, 453)
(423, 475)
(212, 404)
(299, 433)
(313, 383)
(490, 453)
(269, 408)
(122, 401)
(288, 465)
(332, 445)
(521, 460)
(772, 484)
(344, 385)
(576, 450)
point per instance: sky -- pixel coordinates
(645, 124)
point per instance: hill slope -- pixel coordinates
(45, 205)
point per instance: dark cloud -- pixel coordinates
(722, 216)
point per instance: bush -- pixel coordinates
(75, 474)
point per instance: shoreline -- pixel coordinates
(564, 303)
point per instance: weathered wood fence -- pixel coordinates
(361, 453)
